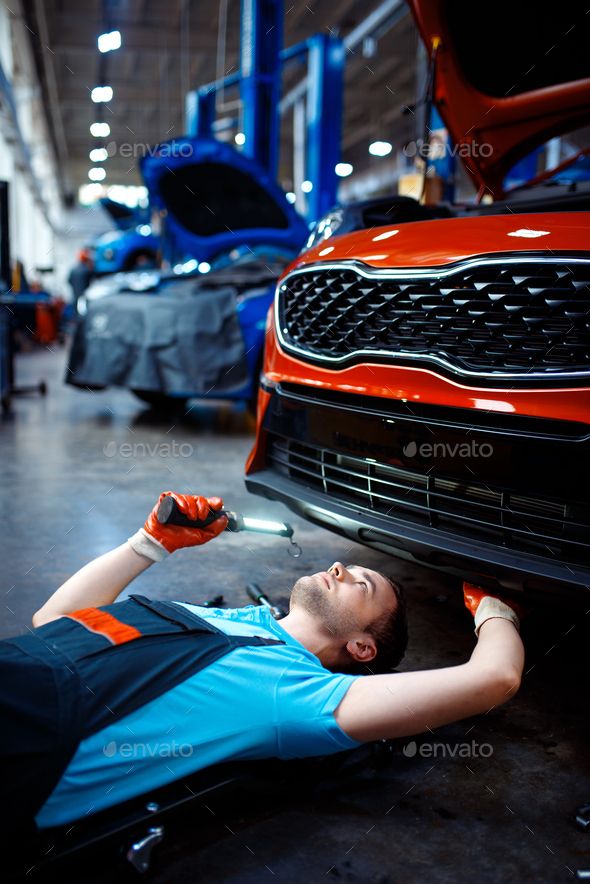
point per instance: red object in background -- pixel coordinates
(47, 320)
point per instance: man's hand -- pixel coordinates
(101, 581)
(484, 606)
(155, 540)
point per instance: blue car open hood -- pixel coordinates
(124, 217)
(217, 199)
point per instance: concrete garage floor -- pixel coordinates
(79, 473)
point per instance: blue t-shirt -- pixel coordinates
(255, 702)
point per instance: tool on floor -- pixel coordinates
(259, 598)
(170, 514)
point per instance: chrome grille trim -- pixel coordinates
(423, 273)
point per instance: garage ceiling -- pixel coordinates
(171, 46)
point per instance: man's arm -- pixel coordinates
(402, 704)
(102, 580)
(97, 583)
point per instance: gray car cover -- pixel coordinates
(179, 343)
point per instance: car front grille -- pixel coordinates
(523, 522)
(505, 317)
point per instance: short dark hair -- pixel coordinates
(390, 631)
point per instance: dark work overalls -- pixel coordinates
(70, 678)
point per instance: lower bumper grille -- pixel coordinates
(557, 530)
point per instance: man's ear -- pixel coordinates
(362, 649)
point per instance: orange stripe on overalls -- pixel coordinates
(105, 624)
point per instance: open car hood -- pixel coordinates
(217, 199)
(124, 217)
(509, 83)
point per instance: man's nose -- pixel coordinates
(339, 571)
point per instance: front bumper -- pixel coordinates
(399, 479)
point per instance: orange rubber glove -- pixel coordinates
(155, 540)
(483, 605)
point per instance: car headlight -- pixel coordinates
(324, 228)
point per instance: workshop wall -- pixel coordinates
(27, 161)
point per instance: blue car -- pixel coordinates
(132, 246)
(196, 329)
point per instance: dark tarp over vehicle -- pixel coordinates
(186, 339)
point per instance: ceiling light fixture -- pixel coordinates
(101, 93)
(380, 148)
(109, 41)
(100, 130)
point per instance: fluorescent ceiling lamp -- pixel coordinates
(306, 186)
(98, 154)
(343, 170)
(100, 130)
(97, 174)
(101, 93)
(108, 42)
(240, 138)
(380, 148)
(291, 197)
(204, 267)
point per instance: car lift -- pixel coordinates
(262, 62)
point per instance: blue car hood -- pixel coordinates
(124, 217)
(215, 199)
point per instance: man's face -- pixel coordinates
(344, 599)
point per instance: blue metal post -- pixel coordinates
(200, 112)
(261, 40)
(324, 121)
(442, 157)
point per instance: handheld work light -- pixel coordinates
(170, 514)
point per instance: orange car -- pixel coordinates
(426, 386)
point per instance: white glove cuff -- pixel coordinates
(492, 607)
(147, 546)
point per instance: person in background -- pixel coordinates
(80, 277)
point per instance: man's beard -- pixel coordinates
(310, 594)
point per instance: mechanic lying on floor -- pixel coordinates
(102, 702)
